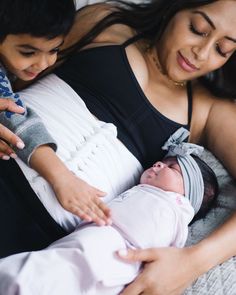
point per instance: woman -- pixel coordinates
(153, 68)
(178, 41)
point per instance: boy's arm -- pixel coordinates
(30, 128)
(74, 194)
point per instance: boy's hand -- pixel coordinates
(78, 197)
(7, 136)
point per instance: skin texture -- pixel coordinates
(206, 49)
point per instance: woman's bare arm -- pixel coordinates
(162, 274)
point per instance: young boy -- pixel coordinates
(155, 213)
(30, 37)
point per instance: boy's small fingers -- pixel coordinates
(77, 211)
(106, 210)
(99, 193)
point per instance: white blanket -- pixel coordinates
(86, 145)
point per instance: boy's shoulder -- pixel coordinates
(5, 84)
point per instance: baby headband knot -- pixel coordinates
(175, 145)
(192, 176)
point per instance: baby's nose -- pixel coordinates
(159, 165)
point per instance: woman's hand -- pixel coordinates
(6, 136)
(81, 199)
(167, 271)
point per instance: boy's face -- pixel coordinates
(165, 175)
(26, 56)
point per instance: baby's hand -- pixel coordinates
(80, 198)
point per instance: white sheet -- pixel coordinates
(91, 150)
(87, 146)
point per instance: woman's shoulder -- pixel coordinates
(88, 17)
(206, 108)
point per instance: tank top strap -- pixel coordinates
(190, 101)
(131, 40)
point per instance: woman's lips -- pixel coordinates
(185, 64)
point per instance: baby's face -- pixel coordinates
(165, 175)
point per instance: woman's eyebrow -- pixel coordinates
(206, 17)
(210, 22)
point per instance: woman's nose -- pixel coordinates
(202, 51)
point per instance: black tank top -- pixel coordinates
(104, 79)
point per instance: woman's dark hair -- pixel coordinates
(150, 19)
(39, 18)
(211, 188)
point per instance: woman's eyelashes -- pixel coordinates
(218, 49)
(195, 31)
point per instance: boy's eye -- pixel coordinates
(27, 54)
(55, 50)
(195, 31)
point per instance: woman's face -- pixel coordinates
(198, 41)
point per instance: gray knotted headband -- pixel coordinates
(192, 176)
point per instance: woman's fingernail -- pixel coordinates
(20, 145)
(5, 157)
(13, 156)
(123, 252)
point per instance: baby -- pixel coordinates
(155, 213)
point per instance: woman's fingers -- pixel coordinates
(6, 152)
(5, 134)
(136, 288)
(134, 255)
(7, 104)
(9, 137)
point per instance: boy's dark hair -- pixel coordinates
(38, 18)
(211, 188)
